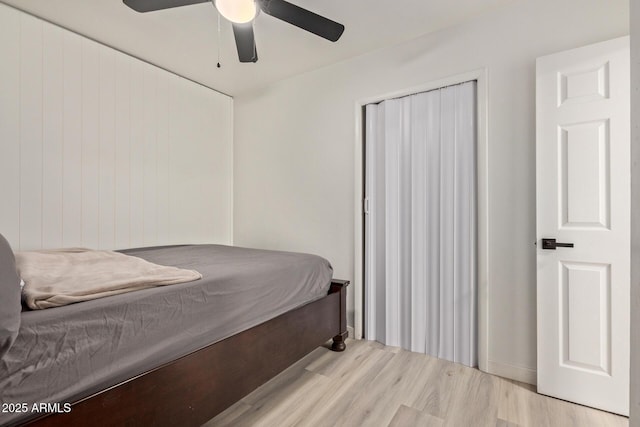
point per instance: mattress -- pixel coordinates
(66, 353)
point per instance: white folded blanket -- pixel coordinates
(63, 276)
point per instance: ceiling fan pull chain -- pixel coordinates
(218, 41)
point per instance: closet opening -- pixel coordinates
(423, 221)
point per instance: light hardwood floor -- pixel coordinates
(373, 385)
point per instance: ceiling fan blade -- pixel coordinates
(303, 18)
(245, 42)
(151, 5)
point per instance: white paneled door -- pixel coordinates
(583, 202)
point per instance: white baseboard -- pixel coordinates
(517, 373)
(351, 333)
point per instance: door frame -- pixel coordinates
(481, 77)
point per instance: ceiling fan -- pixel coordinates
(241, 13)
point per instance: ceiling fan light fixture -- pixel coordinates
(237, 11)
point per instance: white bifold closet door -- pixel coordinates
(420, 237)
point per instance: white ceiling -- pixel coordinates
(184, 39)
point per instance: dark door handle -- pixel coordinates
(552, 244)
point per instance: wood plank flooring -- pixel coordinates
(373, 385)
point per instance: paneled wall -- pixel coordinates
(101, 150)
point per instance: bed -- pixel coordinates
(173, 355)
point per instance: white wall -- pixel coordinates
(634, 420)
(101, 150)
(294, 149)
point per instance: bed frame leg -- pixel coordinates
(338, 342)
(338, 285)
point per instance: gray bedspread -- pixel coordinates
(69, 352)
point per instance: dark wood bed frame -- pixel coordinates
(195, 388)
